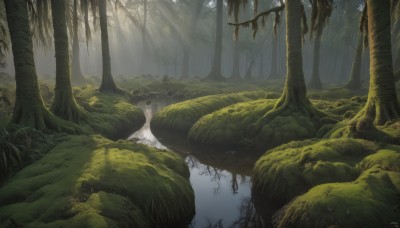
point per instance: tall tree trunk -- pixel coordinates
(274, 58)
(315, 81)
(145, 44)
(236, 62)
(355, 75)
(64, 104)
(295, 88)
(107, 82)
(77, 76)
(185, 61)
(215, 74)
(29, 108)
(382, 105)
(190, 30)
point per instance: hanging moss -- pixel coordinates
(370, 201)
(89, 181)
(290, 170)
(180, 117)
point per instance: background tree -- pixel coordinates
(77, 76)
(194, 7)
(107, 81)
(216, 73)
(355, 74)
(321, 12)
(64, 104)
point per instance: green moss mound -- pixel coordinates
(387, 158)
(228, 126)
(370, 201)
(234, 125)
(290, 170)
(111, 115)
(389, 133)
(89, 181)
(180, 117)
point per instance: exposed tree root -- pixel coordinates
(38, 117)
(65, 107)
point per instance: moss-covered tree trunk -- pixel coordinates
(295, 87)
(382, 105)
(215, 73)
(355, 75)
(64, 104)
(77, 76)
(236, 62)
(29, 108)
(107, 81)
(274, 58)
(315, 80)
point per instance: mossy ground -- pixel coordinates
(109, 114)
(372, 200)
(147, 87)
(180, 117)
(232, 125)
(89, 181)
(291, 169)
(343, 182)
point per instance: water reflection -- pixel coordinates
(220, 179)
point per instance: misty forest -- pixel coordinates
(199, 113)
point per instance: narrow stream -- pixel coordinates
(221, 181)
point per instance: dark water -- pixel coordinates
(220, 179)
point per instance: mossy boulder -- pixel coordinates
(110, 115)
(89, 181)
(372, 200)
(227, 126)
(291, 169)
(180, 117)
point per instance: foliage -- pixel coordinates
(93, 182)
(18, 146)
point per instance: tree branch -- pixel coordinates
(265, 13)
